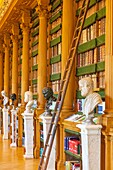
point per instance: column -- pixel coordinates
(42, 58)
(1, 68)
(6, 63)
(25, 53)
(108, 116)
(67, 34)
(42, 75)
(15, 33)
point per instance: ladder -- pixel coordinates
(64, 83)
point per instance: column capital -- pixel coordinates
(26, 18)
(6, 40)
(1, 46)
(43, 10)
(15, 29)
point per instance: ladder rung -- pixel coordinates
(47, 144)
(75, 38)
(53, 123)
(78, 28)
(80, 18)
(44, 156)
(83, 8)
(72, 48)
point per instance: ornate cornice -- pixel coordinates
(3, 7)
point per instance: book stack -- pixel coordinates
(72, 165)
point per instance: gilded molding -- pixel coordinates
(3, 7)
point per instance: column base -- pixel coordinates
(60, 165)
(13, 145)
(28, 156)
(36, 153)
(5, 137)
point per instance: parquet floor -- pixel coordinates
(12, 158)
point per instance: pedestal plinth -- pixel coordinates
(5, 123)
(28, 129)
(46, 124)
(91, 146)
(14, 127)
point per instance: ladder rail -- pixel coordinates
(64, 83)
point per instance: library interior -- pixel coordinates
(56, 83)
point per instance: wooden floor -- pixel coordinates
(12, 158)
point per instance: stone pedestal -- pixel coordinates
(28, 129)
(5, 123)
(46, 124)
(13, 127)
(91, 146)
(1, 114)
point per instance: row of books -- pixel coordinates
(101, 53)
(56, 86)
(86, 58)
(56, 50)
(41, 134)
(34, 74)
(72, 165)
(56, 68)
(72, 144)
(88, 34)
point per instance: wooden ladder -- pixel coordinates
(64, 83)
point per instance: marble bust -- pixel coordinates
(92, 99)
(5, 98)
(28, 98)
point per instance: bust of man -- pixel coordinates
(28, 98)
(5, 98)
(92, 98)
(48, 95)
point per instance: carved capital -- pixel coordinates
(25, 28)
(26, 18)
(42, 10)
(6, 41)
(15, 29)
(14, 38)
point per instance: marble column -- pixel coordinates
(67, 109)
(107, 120)
(42, 75)
(6, 63)
(91, 146)
(25, 53)
(67, 34)
(14, 36)
(1, 68)
(42, 57)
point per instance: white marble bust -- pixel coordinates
(92, 98)
(5, 98)
(28, 98)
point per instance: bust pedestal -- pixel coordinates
(5, 123)
(14, 127)
(28, 129)
(46, 124)
(91, 146)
